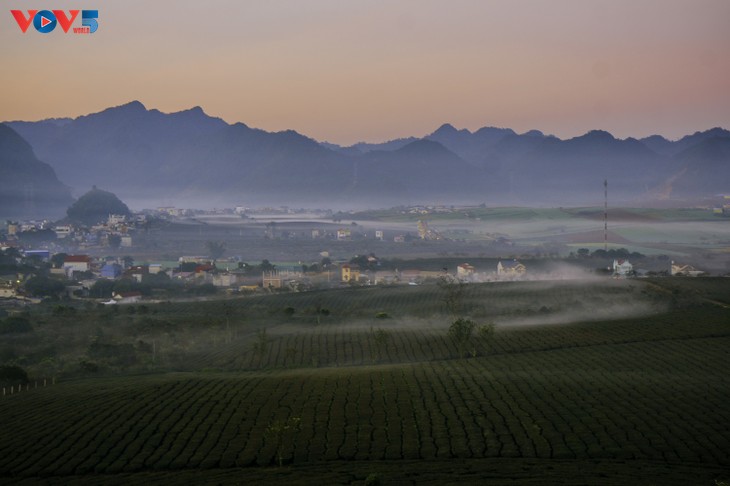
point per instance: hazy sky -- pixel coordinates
(348, 71)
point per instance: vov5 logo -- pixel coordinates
(45, 21)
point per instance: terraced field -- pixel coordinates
(637, 400)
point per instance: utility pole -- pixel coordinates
(605, 215)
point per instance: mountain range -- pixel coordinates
(190, 159)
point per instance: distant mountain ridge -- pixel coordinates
(188, 156)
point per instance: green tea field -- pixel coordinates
(601, 383)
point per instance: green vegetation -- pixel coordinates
(282, 432)
(43, 286)
(380, 339)
(95, 206)
(216, 249)
(573, 390)
(15, 324)
(460, 332)
(12, 376)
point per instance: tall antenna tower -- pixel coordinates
(605, 215)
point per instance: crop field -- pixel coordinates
(271, 388)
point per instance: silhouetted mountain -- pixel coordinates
(472, 147)
(144, 154)
(659, 144)
(558, 171)
(420, 172)
(705, 169)
(663, 146)
(28, 187)
(198, 160)
(698, 137)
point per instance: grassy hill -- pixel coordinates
(557, 396)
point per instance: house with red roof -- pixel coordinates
(76, 263)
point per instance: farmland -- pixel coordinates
(593, 382)
(690, 236)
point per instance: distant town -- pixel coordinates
(66, 260)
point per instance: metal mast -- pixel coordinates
(605, 215)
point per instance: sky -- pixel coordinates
(375, 70)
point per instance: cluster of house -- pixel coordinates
(505, 270)
(622, 268)
(116, 231)
(82, 271)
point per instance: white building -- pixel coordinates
(510, 269)
(116, 219)
(62, 231)
(76, 263)
(622, 268)
(465, 271)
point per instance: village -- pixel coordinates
(43, 260)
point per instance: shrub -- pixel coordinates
(15, 325)
(373, 479)
(13, 375)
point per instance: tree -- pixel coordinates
(380, 338)
(102, 289)
(453, 295)
(282, 433)
(266, 266)
(42, 286)
(216, 249)
(262, 344)
(485, 332)
(58, 259)
(114, 241)
(460, 332)
(13, 375)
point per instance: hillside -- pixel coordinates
(705, 166)
(28, 187)
(95, 206)
(198, 393)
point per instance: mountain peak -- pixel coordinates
(596, 136)
(715, 132)
(533, 133)
(600, 134)
(132, 106)
(195, 110)
(446, 127)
